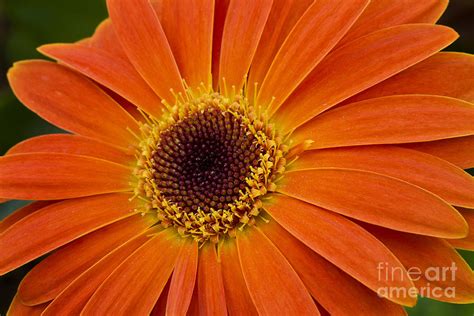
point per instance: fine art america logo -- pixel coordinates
(431, 278)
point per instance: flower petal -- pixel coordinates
(302, 50)
(320, 276)
(145, 43)
(428, 172)
(191, 42)
(237, 295)
(382, 14)
(128, 106)
(334, 237)
(85, 41)
(440, 266)
(210, 286)
(139, 280)
(52, 275)
(21, 213)
(74, 145)
(183, 279)
(376, 199)
(458, 151)
(220, 13)
(193, 309)
(390, 120)
(58, 224)
(446, 73)
(52, 176)
(72, 300)
(160, 306)
(468, 241)
(17, 308)
(274, 286)
(241, 34)
(70, 101)
(106, 39)
(360, 65)
(114, 73)
(283, 17)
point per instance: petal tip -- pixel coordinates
(44, 49)
(48, 49)
(460, 229)
(14, 69)
(450, 32)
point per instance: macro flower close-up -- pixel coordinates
(245, 157)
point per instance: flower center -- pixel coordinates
(205, 166)
(203, 161)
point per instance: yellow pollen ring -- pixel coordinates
(166, 186)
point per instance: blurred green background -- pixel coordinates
(26, 24)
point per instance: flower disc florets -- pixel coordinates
(204, 167)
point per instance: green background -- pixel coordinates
(26, 24)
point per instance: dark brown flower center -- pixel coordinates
(204, 166)
(203, 161)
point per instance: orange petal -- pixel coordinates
(458, 151)
(160, 306)
(72, 300)
(360, 65)
(274, 286)
(390, 120)
(191, 42)
(70, 101)
(210, 286)
(22, 213)
(446, 73)
(334, 237)
(58, 224)
(437, 270)
(382, 14)
(85, 41)
(376, 199)
(220, 13)
(114, 73)
(428, 172)
(194, 305)
(242, 30)
(127, 105)
(106, 39)
(237, 294)
(17, 308)
(320, 276)
(72, 144)
(283, 17)
(144, 41)
(51, 176)
(138, 282)
(468, 241)
(52, 275)
(183, 279)
(302, 50)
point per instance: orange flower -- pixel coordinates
(279, 158)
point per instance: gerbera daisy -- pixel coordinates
(245, 157)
